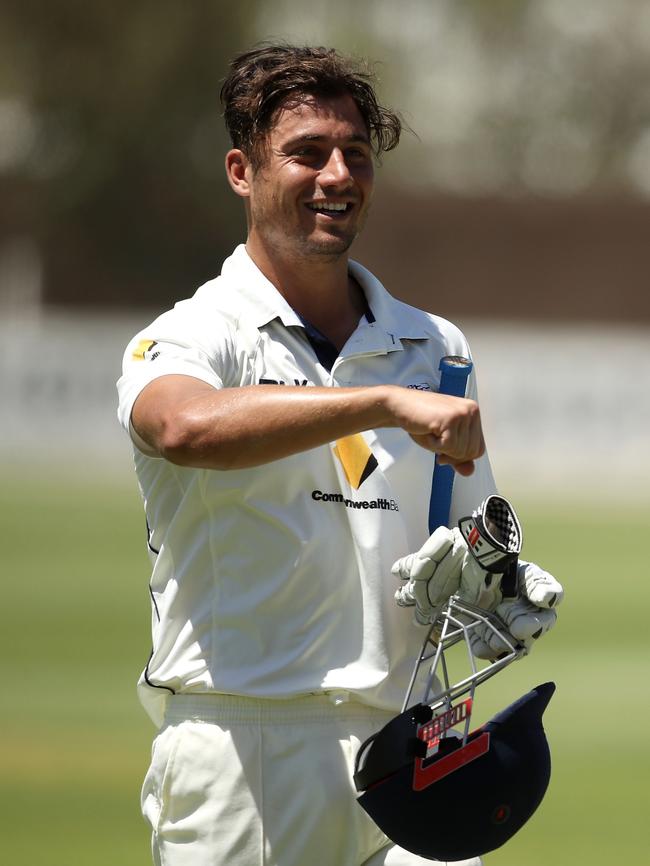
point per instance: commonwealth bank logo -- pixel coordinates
(357, 459)
(358, 463)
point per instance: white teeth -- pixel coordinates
(327, 206)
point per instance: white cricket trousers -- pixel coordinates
(244, 782)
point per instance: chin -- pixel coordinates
(331, 245)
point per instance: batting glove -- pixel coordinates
(432, 574)
(469, 561)
(528, 616)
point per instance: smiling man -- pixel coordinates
(306, 203)
(285, 421)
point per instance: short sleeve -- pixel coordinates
(170, 346)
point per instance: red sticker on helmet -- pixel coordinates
(432, 731)
(424, 775)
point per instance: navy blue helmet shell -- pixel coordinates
(465, 800)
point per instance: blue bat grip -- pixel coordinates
(454, 372)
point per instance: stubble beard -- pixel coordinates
(332, 249)
(335, 246)
(326, 249)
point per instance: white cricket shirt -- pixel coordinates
(275, 581)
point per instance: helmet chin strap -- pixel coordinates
(454, 624)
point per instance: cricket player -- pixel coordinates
(285, 421)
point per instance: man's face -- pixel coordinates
(311, 194)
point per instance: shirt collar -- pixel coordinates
(395, 317)
(265, 302)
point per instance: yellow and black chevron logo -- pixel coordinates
(143, 351)
(357, 459)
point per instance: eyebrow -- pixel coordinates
(357, 138)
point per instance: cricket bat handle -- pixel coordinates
(454, 372)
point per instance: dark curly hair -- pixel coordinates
(268, 76)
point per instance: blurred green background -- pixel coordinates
(519, 207)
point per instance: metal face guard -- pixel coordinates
(454, 624)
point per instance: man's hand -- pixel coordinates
(528, 616)
(450, 426)
(431, 575)
(446, 565)
(441, 568)
(469, 561)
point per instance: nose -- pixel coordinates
(335, 172)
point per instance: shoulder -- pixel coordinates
(206, 320)
(435, 326)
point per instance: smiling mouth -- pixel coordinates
(330, 208)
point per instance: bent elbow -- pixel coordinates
(185, 443)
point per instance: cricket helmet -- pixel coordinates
(445, 795)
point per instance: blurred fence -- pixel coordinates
(566, 411)
(525, 173)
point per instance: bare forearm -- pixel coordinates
(237, 428)
(193, 424)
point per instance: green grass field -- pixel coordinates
(75, 743)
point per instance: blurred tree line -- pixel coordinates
(111, 141)
(117, 170)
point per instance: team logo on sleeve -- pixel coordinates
(357, 459)
(144, 351)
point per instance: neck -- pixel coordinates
(318, 288)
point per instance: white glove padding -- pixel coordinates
(538, 585)
(525, 621)
(441, 568)
(444, 566)
(467, 561)
(432, 574)
(527, 617)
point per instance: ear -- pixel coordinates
(238, 171)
